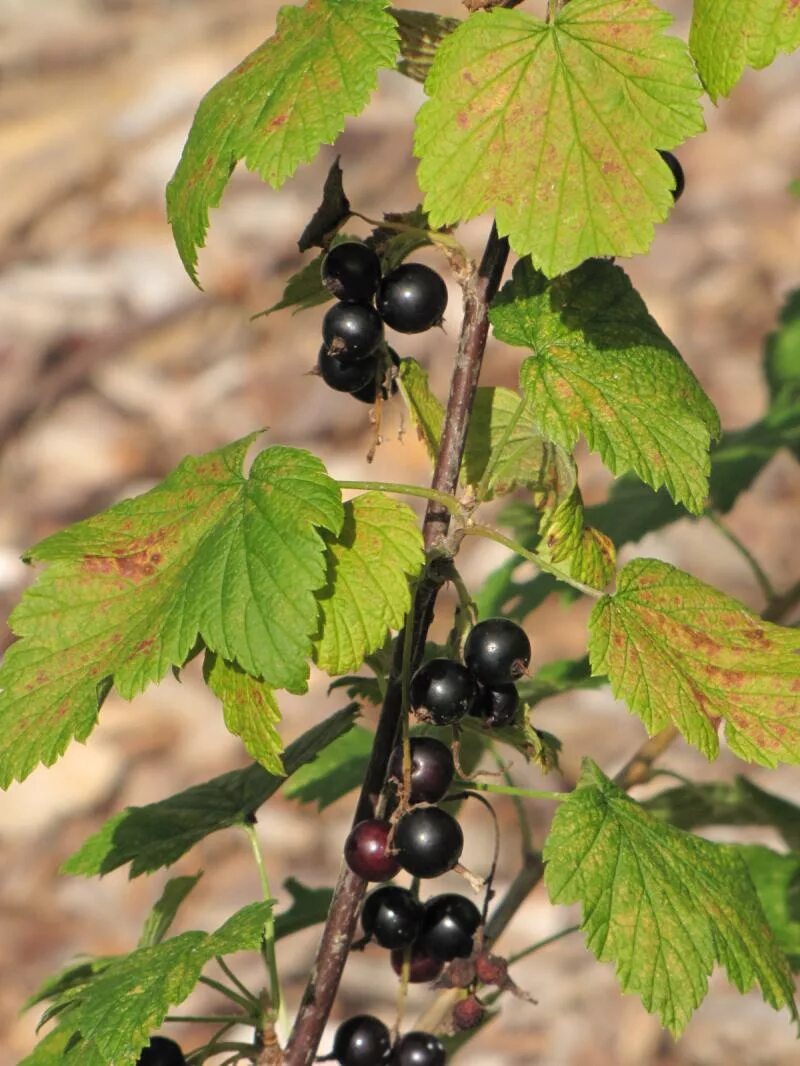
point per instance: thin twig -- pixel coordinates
(755, 566)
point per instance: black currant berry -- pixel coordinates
(443, 690)
(418, 1049)
(346, 375)
(432, 769)
(369, 393)
(448, 926)
(422, 967)
(677, 173)
(429, 841)
(392, 916)
(351, 271)
(497, 651)
(496, 704)
(366, 851)
(351, 331)
(161, 1051)
(362, 1041)
(412, 298)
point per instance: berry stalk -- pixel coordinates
(339, 930)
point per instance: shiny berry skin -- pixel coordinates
(418, 1049)
(161, 1051)
(351, 331)
(497, 652)
(392, 916)
(432, 769)
(346, 375)
(422, 967)
(351, 271)
(448, 926)
(365, 851)
(362, 1041)
(677, 173)
(443, 690)
(412, 298)
(429, 841)
(496, 705)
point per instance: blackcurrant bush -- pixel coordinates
(392, 916)
(429, 841)
(443, 690)
(677, 173)
(412, 298)
(432, 769)
(351, 331)
(422, 967)
(351, 271)
(362, 1041)
(497, 651)
(346, 375)
(448, 926)
(366, 851)
(418, 1049)
(496, 704)
(161, 1051)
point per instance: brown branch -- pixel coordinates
(340, 927)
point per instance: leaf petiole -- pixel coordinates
(511, 790)
(268, 943)
(444, 498)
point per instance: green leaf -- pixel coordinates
(563, 675)
(124, 1004)
(421, 33)
(737, 802)
(336, 771)
(777, 881)
(161, 917)
(393, 245)
(249, 708)
(662, 905)
(52, 1051)
(602, 367)
(575, 548)
(303, 289)
(160, 833)
(288, 97)
(309, 907)
(332, 213)
(729, 35)
(61, 986)
(556, 127)
(677, 650)
(236, 560)
(378, 550)
(426, 412)
(632, 510)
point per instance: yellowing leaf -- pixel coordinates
(555, 127)
(249, 708)
(677, 650)
(661, 904)
(581, 551)
(729, 35)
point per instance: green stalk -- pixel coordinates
(268, 944)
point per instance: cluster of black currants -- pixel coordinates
(497, 653)
(411, 298)
(365, 1041)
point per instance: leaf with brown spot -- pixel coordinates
(687, 656)
(663, 905)
(249, 708)
(236, 560)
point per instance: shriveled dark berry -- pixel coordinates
(392, 916)
(468, 1014)
(346, 375)
(351, 271)
(376, 386)
(497, 651)
(432, 769)
(442, 690)
(677, 173)
(412, 298)
(366, 851)
(448, 926)
(496, 704)
(422, 967)
(362, 1041)
(429, 841)
(161, 1051)
(418, 1049)
(491, 969)
(351, 331)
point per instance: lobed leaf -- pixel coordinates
(662, 905)
(602, 367)
(777, 881)
(555, 127)
(337, 770)
(677, 650)
(309, 907)
(728, 35)
(577, 549)
(427, 413)
(236, 560)
(249, 709)
(158, 921)
(275, 109)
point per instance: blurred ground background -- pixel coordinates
(114, 367)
